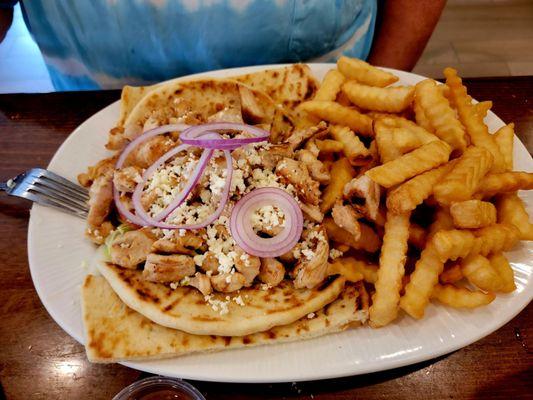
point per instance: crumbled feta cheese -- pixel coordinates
(216, 183)
(199, 259)
(334, 253)
(245, 257)
(205, 195)
(227, 261)
(308, 253)
(266, 286)
(308, 246)
(174, 285)
(217, 305)
(297, 253)
(267, 217)
(239, 301)
(311, 315)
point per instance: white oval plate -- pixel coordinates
(58, 254)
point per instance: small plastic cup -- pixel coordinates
(159, 388)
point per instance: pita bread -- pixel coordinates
(288, 86)
(185, 308)
(114, 332)
(129, 98)
(167, 103)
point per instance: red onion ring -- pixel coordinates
(199, 136)
(145, 136)
(122, 158)
(242, 230)
(192, 136)
(189, 186)
(191, 183)
(224, 199)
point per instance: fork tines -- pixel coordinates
(49, 189)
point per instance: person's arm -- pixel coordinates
(6, 17)
(405, 28)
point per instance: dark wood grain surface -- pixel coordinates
(40, 361)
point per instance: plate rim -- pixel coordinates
(410, 359)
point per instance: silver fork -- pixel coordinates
(49, 189)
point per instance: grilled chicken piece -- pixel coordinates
(116, 139)
(202, 283)
(291, 171)
(312, 147)
(251, 110)
(166, 269)
(210, 263)
(310, 273)
(272, 271)
(316, 169)
(282, 126)
(148, 152)
(228, 283)
(247, 265)
(288, 257)
(101, 168)
(100, 199)
(312, 212)
(272, 156)
(347, 218)
(299, 136)
(364, 188)
(271, 230)
(228, 114)
(148, 198)
(99, 234)
(186, 243)
(126, 179)
(131, 248)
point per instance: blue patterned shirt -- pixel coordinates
(92, 44)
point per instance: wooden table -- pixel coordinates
(40, 361)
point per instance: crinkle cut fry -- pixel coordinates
(472, 214)
(441, 116)
(504, 138)
(391, 269)
(424, 158)
(390, 99)
(459, 297)
(330, 86)
(365, 73)
(341, 115)
(475, 127)
(479, 272)
(412, 193)
(504, 270)
(465, 177)
(505, 182)
(451, 245)
(422, 281)
(511, 210)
